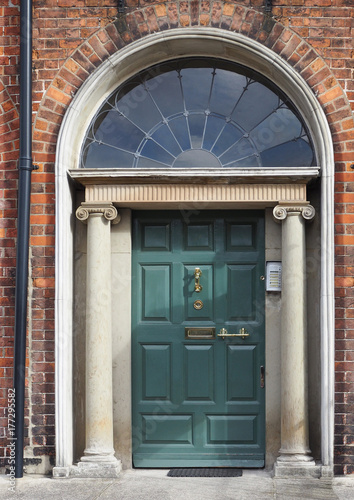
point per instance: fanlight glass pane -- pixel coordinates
(197, 113)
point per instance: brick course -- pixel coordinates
(70, 41)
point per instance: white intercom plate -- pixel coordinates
(273, 276)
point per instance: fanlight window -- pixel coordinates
(197, 113)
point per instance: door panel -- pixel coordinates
(199, 373)
(168, 429)
(155, 237)
(240, 379)
(156, 383)
(197, 400)
(199, 236)
(241, 291)
(240, 236)
(156, 306)
(231, 429)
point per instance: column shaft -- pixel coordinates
(98, 459)
(294, 454)
(294, 414)
(99, 407)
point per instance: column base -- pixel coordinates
(61, 472)
(89, 469)
(96, 469)
(94, 457)
(294, 466)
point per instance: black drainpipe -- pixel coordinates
(24, 192)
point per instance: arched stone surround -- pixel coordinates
(158, 18)
(106, 43)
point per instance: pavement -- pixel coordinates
(154, 484)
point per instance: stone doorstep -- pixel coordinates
(287, 470)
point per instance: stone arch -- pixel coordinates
(124, 37)
(157, 18)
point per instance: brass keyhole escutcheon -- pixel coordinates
(198, 304)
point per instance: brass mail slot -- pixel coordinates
(199, 333)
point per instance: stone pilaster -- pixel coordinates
(98, 459)
(294, 454)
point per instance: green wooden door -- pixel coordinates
(198, 398)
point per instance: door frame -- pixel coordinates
(92, 92)
(121, 261)
(121, 238)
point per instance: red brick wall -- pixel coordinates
(9, 123)
(70, 40)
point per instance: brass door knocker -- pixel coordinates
(197, 274)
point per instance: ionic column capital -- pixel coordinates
(281, 211)
(107, 210)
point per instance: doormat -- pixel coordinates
(205, 472)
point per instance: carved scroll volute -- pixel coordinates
(281, 212)
(108, 211)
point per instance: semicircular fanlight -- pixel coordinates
(197, 113)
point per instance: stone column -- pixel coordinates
(98, 459)
(294, 455)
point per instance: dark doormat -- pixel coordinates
(205, 472)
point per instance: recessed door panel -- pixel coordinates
(198, 339)
(155, 237)
(229, 430)
(199, 372)
(167, 429)
(241, 300)
(156, 297)
(199, 236)
(240, 372)
(240, 236)
(156, 383)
